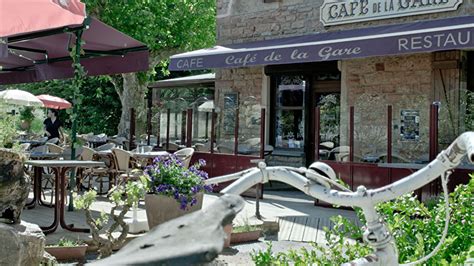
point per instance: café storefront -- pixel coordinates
(372, 87)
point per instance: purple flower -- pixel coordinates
(169, 177)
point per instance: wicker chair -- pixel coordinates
(185, 155)
(122, 165)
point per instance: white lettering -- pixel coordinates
(241, 61)
(327, 52)
(449, 39)
(296, 54)
(416, 43)
(402, 42)
(468, 38)
(427, 41)
(190, 63)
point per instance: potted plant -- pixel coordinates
(173, 189)
(123, 197)
(67, 249)
(245, 233)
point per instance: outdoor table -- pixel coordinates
(147, 157)
(60, 167)
(37, 178)
(150, 154)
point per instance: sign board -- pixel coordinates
(3, 47)
(333, 12)
(410, 125)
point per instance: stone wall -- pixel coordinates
(251, 20)
(247, 82)
(370, 85)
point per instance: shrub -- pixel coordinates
(417, 229)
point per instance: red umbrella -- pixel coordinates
(54, 102)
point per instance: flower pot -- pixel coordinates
(160, 209)
(245, 236)
(228, 233)
(68, 253)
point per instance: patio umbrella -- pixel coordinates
(19, 97)
(54, 102)
(207, 106)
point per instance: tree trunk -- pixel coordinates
(132, 95)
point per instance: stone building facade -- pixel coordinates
(405, 82)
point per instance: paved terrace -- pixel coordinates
(299, 220)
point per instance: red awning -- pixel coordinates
(40, 34)
(28, 16)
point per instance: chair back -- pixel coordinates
(107, 146)
(185, 155)
(87, 154)
(122, 159)
(53, 140)
(25, 146)
(172, 146)
(66, 154)
(53, 148)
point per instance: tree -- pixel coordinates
(166, 27)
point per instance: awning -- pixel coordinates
(38, 57)
(203, 80)
(415, 37)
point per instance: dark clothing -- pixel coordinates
(52, 128)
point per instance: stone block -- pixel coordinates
(21, 244)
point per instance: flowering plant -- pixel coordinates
(168, 176)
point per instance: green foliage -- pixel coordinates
(336, 251)
(26, 114)
(8, 130)
(99, 111)
(417, 229)
(123, 198)
(161, 24)
(64, 242)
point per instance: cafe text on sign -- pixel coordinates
(333, 12)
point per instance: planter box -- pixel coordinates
(160, 209)
(245, 236)
(68, 253)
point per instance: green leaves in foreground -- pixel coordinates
(417, 229)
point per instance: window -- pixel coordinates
(289, 112)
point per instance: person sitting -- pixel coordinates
(52, 125)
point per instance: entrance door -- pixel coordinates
(326, 94)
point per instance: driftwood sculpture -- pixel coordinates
(192, 239)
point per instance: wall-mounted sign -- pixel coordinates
(410, 125)
(333, 12)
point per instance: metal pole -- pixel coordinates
(72, 177)
(168, 115)
(148, 115)
(189, 128)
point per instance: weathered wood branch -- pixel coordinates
(192, 239)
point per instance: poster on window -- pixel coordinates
(410, 125)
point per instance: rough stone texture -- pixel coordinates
(21, 244)
(406, 83)
(14, 185)
(370, 84)
(247, 82)
(251, 20)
